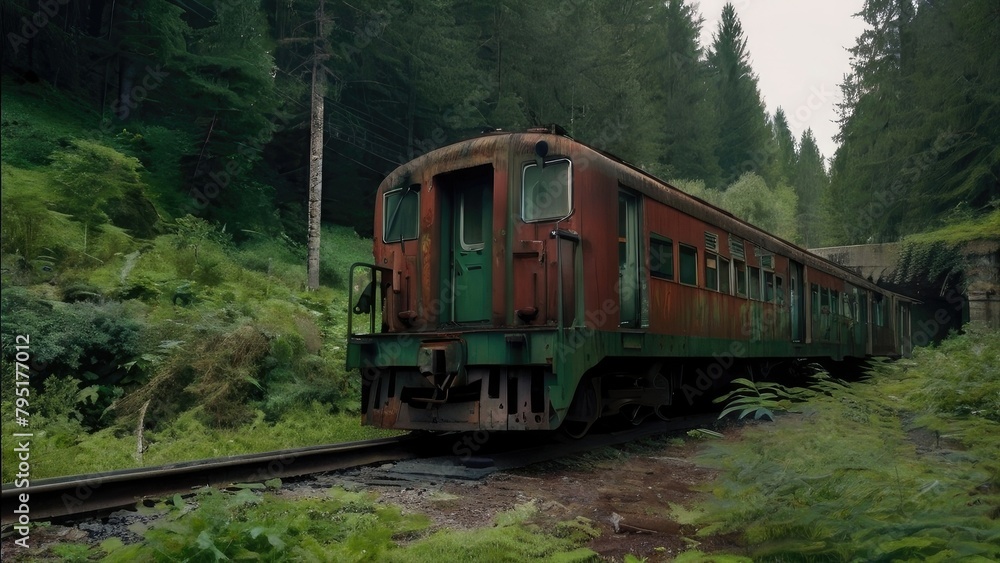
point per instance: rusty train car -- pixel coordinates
(527, 281)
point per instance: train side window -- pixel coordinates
(400, 214)
(661, 257)
(834, 301)
(471, 220)
(740, 268)
(815, 299)
(711, 271)
(755, 283)
(769, 287)
(546, 193)
(779, 290)
(824, 301)
(689, 264)
(724, 275)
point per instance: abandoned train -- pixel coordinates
(529, 281)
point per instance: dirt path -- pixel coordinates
(635, 491)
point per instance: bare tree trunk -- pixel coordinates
(316, 159)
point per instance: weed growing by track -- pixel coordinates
(336, 526)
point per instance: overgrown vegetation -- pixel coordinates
(336, 526)
(182, 331)
(142, 321)
(900, 466)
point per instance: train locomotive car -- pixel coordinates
(527, 281)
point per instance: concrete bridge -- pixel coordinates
(967, 287)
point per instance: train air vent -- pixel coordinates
(736, 248)
(711, 242)
(767, 261)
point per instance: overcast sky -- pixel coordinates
(798, 48)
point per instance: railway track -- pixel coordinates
(416, 458)
(76, 495)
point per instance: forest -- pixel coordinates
(216, 100)
(155, 184)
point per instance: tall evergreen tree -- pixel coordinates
(785, 142)
(810, 182)
(875, 100)
(742, 119)
(686, 137)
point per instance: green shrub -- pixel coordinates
(77, 336)
(92, 341)
(95, 179)
(339, 248)
(29, 227)
(961, 375)
(219, 373)
(36, 120)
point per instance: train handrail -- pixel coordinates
(376, 286)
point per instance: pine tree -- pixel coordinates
(878, 99)
(742, 119)
(686, 136)
(786, 157)
(810, 182)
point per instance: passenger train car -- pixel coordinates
(527, 281)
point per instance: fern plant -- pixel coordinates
(760, 398)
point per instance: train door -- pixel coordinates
(628, 258)
(470, 242)
(796, 301)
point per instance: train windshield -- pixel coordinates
(546, 193)
(399, 214)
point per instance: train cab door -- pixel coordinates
(796, 301)
(470, 242)
(628, 258)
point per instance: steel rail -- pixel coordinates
(61, 497)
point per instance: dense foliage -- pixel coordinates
(215, 100)
(900, 467)
(920, 121)
(211, 104)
